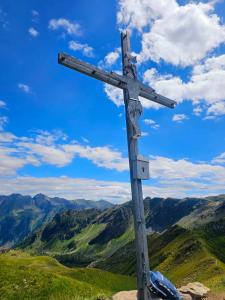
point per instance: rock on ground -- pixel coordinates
(194, 291)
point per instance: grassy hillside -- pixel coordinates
(104, 240)
(182, 255)
(81, 238)
(39, 277)
(77, 238)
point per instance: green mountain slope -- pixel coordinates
(181, 254)
(30, 277)
(83, 238)
(21, 215)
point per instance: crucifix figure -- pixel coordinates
(139, 166)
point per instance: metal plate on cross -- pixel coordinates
(141, 168)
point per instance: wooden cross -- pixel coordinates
(139, 166)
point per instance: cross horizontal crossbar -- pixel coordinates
(112, 78)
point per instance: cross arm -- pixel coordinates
(119, 81)
(150, 94)
(90, 70)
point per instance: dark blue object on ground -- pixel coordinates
(162, 287)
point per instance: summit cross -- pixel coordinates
(139, 166)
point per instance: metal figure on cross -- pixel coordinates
(139, 166)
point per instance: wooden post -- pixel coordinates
(136, 185)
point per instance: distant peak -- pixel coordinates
(40, 195)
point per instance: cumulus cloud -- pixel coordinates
(6, 137)
(33, 32)
(3, 122)
(114, 94)
(151, 123)
(216, 109)
(197, 110)
(35, 16)
(3, 20)
(52, 149)
(24, 88)
(205, 86)
(2, 104)
(69, 27)
(220, 159)
(84, 48)
(172, 178)
(178, 34)
(111, 58)
(179, 117)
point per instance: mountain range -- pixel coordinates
(186, 239)
(21, 215)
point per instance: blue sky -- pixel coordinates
(63, 134)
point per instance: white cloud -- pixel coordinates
(11, 158)
(3, 20)
(84, 48)
(24, 87)
(3, 122)
(33, 32)
(45, 137)
(151, 123)
(144, 133)
(35, 16)
(172, 178)
(179, 34)
(6, 137)
(216, 109)
(204, 86)
(69, 27)
(141, 13)
(114, 94)
(85, 140)
(220, 159)
(47, 154)
(197, 110)
(111, 58)
(67, 187)
(179, 117)
(2, 104)
(167, 170)
(53, 149)
(101, 156)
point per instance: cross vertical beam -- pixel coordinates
(136, 185)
